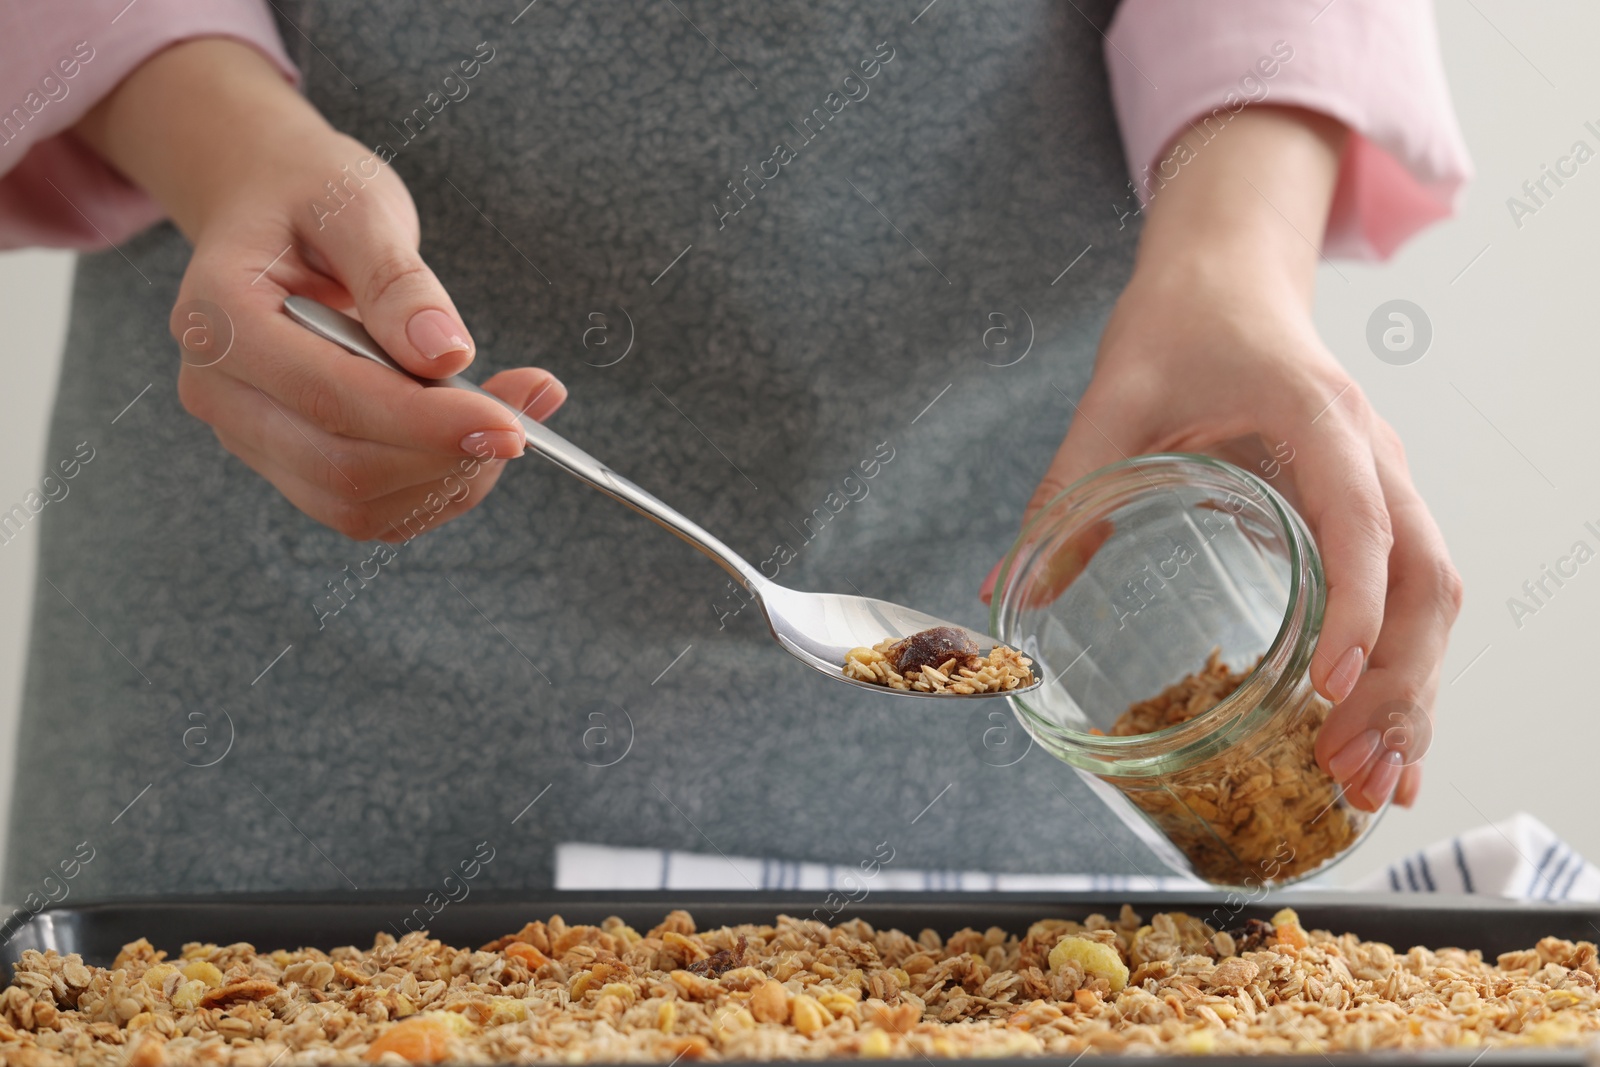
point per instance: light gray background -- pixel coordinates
(1498, 417)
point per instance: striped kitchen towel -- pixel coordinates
(1519, 857)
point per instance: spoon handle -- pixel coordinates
(350, 335)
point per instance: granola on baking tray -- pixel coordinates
(797, 989)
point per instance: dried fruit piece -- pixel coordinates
(187, 996)
(422, 1038)
(1093, 958)
(692, 1047)
(1253, 935)
(1289, 930)
(719, 962)
(153, 978)
(931, 648)
(203, 971)
(525, 952)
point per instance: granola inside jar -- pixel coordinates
(1171, 604)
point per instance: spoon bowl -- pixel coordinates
(820, 628)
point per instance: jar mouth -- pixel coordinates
(1285, 658)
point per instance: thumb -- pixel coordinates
(371, 247)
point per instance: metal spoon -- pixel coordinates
(818, 628)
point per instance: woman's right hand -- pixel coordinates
(352, 444)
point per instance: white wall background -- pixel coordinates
(1508, 390)
(1499, 418)
(33, 324)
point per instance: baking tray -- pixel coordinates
(270, 921)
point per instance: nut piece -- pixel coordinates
(1096, 960)
(876, 1045)
(808, 1015)
(149, 1051)
(769, 1002)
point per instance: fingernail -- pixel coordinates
(543, 401)
(986, 590)
(436, 334)
(1406, 794)
(1354, 755)
(1381, 782)
(1345, 674)
(493, 444)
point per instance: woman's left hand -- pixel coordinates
(1213, 340)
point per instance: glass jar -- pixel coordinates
(1139, 576)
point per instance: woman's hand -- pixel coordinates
(355, 446)
(1213, 340)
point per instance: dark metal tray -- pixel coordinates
(97, 931)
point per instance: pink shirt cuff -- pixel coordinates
(1372, 64)
(58, 60)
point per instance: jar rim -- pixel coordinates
(1249, 704)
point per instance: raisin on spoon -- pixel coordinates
(931, 648)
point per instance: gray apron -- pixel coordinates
(803, 267)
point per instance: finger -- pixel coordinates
(399, 516)
(1378, 782)
(354, 397)
(1384, 768)
(244, 416)
(1423, 601)
(371, 247)
(1345, 507)
(1405, 794)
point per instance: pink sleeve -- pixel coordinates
(57, 60)
(1372, 64)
